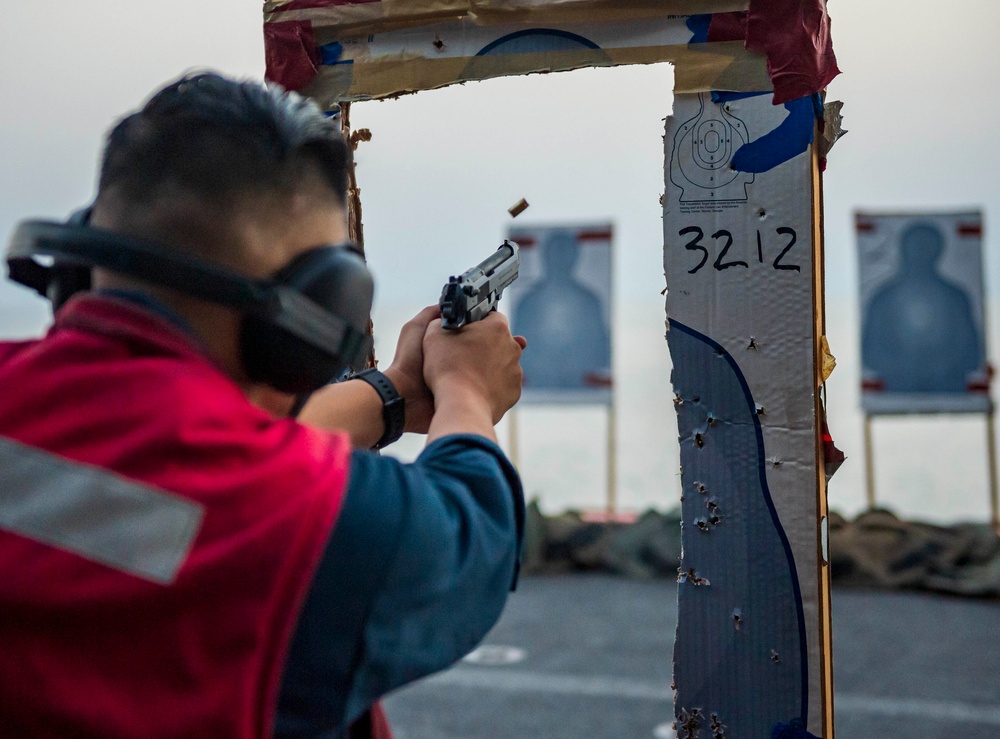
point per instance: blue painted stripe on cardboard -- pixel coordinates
(741, 650)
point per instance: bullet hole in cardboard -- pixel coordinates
(699, 440)
(678, 400)
(661, 199)
(737, 618)
(752, 346)
(762, 214)
(689, 575)
(438, 43)
(774, 461)
(689, 724)
(759, 409)
(663, 291)
(717, 728)
(696, 399)
(711, 419)
(700, 487)
(714, 518)
(702, 523)
(775, 657)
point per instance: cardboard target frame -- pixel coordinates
(745, 315)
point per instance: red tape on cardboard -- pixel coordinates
(794, 35)
(290, 53)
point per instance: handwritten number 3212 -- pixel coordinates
(726, 238)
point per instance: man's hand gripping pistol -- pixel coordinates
(473, 294)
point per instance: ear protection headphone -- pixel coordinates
(301, 329)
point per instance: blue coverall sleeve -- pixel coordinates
(416, 572)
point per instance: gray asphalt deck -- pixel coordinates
(597, 653)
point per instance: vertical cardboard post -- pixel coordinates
(355, 227)
(822, 508)
(743, 262)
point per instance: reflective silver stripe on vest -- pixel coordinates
(95, 513)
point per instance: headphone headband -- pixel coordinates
(86, 246)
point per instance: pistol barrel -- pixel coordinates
(495, 260)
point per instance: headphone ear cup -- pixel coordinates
(57, 282)
(275, 356)
(338, 281)
(66, 279)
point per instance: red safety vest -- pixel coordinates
(158, 533)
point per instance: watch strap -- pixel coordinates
(393, 405)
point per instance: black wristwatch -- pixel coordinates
(393, 405)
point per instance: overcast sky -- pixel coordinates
(919, 87)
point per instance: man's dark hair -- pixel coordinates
(217, 139)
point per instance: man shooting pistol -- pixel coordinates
(181, 557)
(471, 296)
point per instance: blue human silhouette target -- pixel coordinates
(923, 346)
(562, 305)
